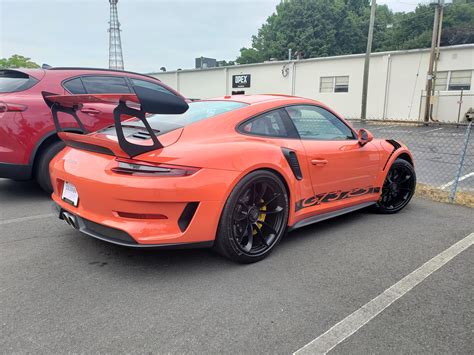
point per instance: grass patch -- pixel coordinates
(427, 191)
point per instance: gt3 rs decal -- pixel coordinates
(334, 196)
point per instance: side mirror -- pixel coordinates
(364, 137)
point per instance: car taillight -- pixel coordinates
(140, 168)
(9, 107)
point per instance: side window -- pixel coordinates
(314, 122)
(105, 85)
(75, 86)
(271, 124)
(150, 85)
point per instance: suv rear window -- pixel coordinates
(13, 81)
(150, 85)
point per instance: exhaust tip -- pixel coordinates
(70, 219)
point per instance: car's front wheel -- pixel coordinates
(398, 188)
(254, 218)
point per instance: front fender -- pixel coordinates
(393, 151)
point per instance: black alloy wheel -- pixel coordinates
(254, 219)
(398, 188)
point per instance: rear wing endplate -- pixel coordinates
(150, 101)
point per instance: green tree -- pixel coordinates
(336, 27)
(17, 61)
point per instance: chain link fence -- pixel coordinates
(447, 107)
(443, 154)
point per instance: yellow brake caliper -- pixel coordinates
(261, 218)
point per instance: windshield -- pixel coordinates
(198, 110)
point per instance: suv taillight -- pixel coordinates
(9, 107)
(140, 168)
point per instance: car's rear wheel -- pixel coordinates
(398, 188)
(42, 165)
(254, 218)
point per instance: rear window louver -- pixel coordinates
(141, 135)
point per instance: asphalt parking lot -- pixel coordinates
(63, 292)
(436, 149)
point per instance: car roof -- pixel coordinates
(85, 69)
(255, 99)
(39, 72)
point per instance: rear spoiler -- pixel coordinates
(150, 101)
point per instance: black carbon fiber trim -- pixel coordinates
(292, 159)
(89, 147)
(187, 215)
(396, 146)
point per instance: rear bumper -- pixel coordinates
(15, 171)
(125, 202)
(116, 236)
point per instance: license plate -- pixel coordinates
(70, 194)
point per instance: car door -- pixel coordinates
(342, 171)
(96, 116)
(275, 127)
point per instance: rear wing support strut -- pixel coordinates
(131, 148)
(55, 108)
(150, 101)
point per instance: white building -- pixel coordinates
(396, 82)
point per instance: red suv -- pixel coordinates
(28, 139)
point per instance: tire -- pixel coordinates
(254, 218)
(42, 166)
(398, 188)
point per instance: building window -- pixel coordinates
(460, 80)
(441, 81)
(334, 84)
(454, 80)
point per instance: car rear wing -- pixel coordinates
(150, 102)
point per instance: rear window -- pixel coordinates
(150, 85)
(13, 81)
(198, 110)
(74, 86)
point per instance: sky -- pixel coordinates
(155, 33)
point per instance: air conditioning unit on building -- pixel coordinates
(470, 115)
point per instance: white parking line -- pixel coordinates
(352, 323)
(24, 219)
(464, 177)
(432, 130)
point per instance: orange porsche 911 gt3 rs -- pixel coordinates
(233, 173)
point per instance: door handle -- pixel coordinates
(90, 111)
(319, 162)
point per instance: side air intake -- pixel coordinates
(292, 159)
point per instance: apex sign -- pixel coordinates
(241, 81)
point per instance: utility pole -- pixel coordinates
(365, 83)
(434, 45)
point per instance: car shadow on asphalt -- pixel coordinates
(119, 259)
(21, 190)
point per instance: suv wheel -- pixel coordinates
(42, 167)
